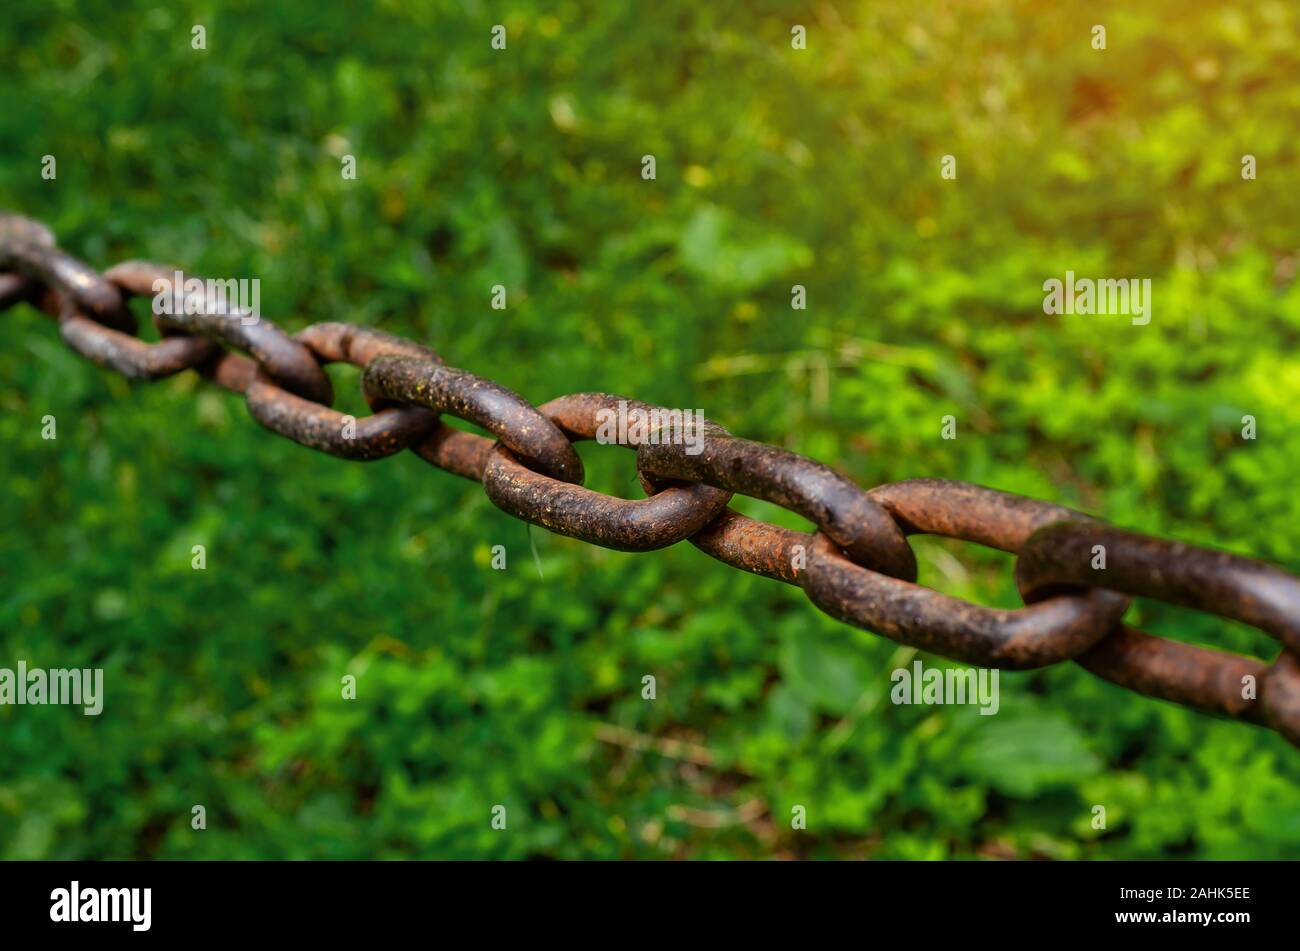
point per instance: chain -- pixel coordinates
(857, 566)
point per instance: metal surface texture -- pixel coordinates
(1075, 574)
(665, 518)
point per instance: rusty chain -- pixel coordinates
(857, 566)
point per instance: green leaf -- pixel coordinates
(736, 256)
(1021, 756)
(826, 678)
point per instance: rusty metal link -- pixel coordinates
(969, 512)
(1055, 629)
(838, 507)
(665, 518)
(1091, 554)
(133, 358)
(505, 414)
(388, 430)
(956, 509)
(456, 451)
(28, 248)
(755, 546)
(857, 566)
(283, 359)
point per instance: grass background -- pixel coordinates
(522, 167)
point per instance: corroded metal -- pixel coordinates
(28, 248)
(336, 342)
(133, 358)
(1096, 555)
(388, 430)
(285, 360)
(857, 567)
(455, 451)
(1205, 679)
(972, 513)
(231, 371)
(383, 433)
(1281, 696)
(755, 546)
(466, 396)
(820, 494)
(1199, 677)
(672, 514)
(930, 506)
(130, 356)
(1034, 636)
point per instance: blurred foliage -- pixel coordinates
(775, 166)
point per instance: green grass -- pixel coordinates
(522, 167)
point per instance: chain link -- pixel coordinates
(857, 566)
